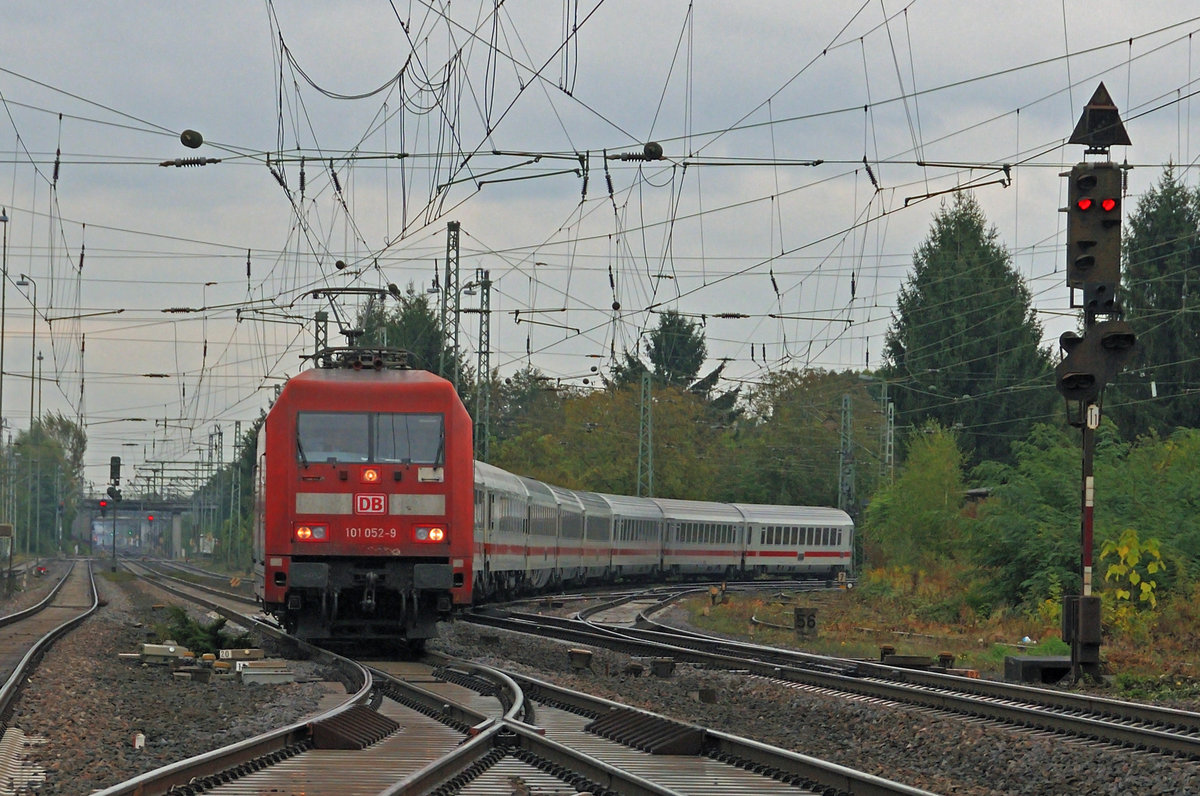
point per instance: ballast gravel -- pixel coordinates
(909, 745)
(85, 708)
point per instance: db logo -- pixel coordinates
(370, 504)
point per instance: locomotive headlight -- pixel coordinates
(430, 533)
(370, 475)
(311, 533)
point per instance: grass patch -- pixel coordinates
(1161, 688)
(850, 626)
(925, 622)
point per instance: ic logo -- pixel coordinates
(370, 504)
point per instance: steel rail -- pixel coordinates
(724, 747)
(28, 663)
(1105, 707)
(17, 616)
(741, 752)
(228, 595)
(252, 753)
(908, 686)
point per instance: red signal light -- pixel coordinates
(103, 504)
(150, 518)
(1084, 204)
(1108, 205)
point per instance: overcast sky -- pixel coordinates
(806, 147)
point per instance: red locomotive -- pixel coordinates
(363, 493)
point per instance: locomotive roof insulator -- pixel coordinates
(362, 358)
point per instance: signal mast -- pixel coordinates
(1094, 194)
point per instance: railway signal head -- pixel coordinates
(1091, 361)
(1094, 233)
(114, 494)
(103, 507)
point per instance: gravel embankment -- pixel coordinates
(88, 705)
(85, 706)
(939, 754)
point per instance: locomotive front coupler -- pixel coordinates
(368, 599)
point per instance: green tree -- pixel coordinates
(527, 422)
(963, 345)
(410, 321)
(917, 520)
(626, 371)
(42, 476)
(676, 350)
(527, 400)
(1161, 298)
(601, 436)
(1132, 564)
(592, 444)
(1027, 534)
(68, 482)
(1153, 487)
(789, 446)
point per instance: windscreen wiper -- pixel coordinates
(300, 450)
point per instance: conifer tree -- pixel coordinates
(963, 347)
(1161, 300)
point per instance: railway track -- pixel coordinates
(657, 754)
(464, 728)
(196, 584)
(625, 625)
(445, 726)
(25, 635)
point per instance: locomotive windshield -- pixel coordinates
(377, 437)
(411, 438)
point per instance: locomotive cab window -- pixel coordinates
(409, 438)
(359, 437)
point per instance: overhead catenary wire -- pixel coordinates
(630, 225)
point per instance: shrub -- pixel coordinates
(197, 636)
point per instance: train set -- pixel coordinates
(374, 522)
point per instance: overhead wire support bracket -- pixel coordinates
(786, 317)
(518, 320)
(1004, 181)
(182, 162)
(576, 172)
(330, 292)
(755, 163)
